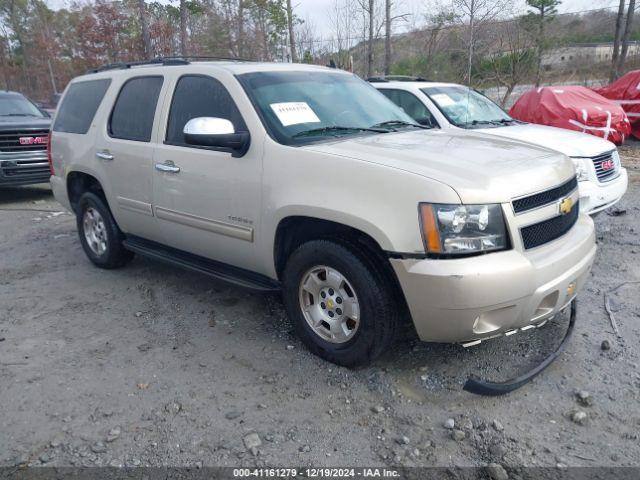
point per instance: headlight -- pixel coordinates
(581, 169)
(462, 229)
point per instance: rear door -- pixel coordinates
(124, 150)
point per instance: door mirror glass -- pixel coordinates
(216, 133)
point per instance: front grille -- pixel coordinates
(604, 175)
(544, 198)
(548, 230)
(10, 140)
(24, 164)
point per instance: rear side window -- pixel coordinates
(411, 105)
(79, 106)
(200, 96)
(134, 110)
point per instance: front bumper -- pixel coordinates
(474, 298)
(596, 196)
(23, 168)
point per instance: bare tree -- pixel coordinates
(625, 38)
(477, 12)
(368, 10)
(371, 13)
(183, 28)
(388, 23)
(387, 37)
(306, 40)
(240, 36)
(144, 25)
(342, 18)
(292, 38)
(15, 13)
(613, 74)
(513, 59)
(436, 23)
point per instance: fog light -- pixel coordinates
(571, 289)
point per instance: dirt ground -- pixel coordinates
(150, 365)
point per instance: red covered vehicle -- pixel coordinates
(626, 92)
(573, 108)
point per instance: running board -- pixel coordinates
(218, 270)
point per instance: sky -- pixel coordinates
(316, 10)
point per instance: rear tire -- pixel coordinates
(100, 237)
(342, 303)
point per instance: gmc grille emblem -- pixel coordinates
(33, 140)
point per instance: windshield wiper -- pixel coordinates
(17, 115)
(336, 129)
(399, 123)
(479, 122)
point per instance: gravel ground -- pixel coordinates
(149, 365)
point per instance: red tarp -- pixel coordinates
(626, 92)
(574, 108)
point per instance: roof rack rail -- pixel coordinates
(171, 60)
(397, 78)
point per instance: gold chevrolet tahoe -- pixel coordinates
(306, 180)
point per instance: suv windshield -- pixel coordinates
(467, 108)
(302, 107)
(18, 106)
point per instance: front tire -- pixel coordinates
(341, 302)
(100, 237)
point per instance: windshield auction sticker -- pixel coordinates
(293, 113)
(443, 99)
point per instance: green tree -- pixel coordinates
(542, 12)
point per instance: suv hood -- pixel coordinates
(18, 123)
(573, 144)
(480, 168)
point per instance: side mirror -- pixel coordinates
(217, 133)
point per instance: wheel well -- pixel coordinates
(294, 231)
(79, 183)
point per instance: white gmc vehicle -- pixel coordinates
(602, 180)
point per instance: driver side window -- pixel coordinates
(200, 96)
(411, 105)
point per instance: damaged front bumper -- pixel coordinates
(476, 298)
(485, 387)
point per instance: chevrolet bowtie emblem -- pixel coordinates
(566, 204)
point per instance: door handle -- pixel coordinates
(168, 167)
(104, 155)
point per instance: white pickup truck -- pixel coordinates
(602, 180)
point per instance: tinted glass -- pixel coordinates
(79, 106)
(197, 96)
(18, 106)
(411, 105)
(135, 108)
(332, 104)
